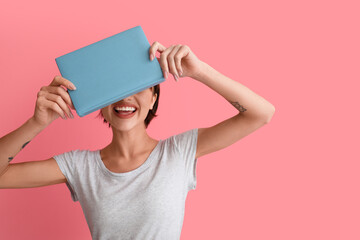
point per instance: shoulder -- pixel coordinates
(74, 154)
(184, 138)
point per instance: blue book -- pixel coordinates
(110, 70)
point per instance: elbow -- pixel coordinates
(263, 116)
(270, 115)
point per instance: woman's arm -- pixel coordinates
(242, 98)
(254, 111)
(51, 103)
(12, 143)
(26, 174)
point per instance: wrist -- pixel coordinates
(33, 124)
(204, 72)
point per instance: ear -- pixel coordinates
(153, 100)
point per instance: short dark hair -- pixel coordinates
(151, 113)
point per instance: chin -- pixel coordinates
(126, 125)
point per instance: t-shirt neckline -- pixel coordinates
(129, 173)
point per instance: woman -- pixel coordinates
(134, 188)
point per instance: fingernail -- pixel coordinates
(72, 116)
(72, 86)
(176, 77)
(152, 57)
(180, 73)
(166, 75)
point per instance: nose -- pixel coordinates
(127, 99)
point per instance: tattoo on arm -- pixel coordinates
(238, 106)
(25, 144)
(11, 158)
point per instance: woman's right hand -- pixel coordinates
(52, 101)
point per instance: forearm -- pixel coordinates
(12, 143)
(242, 98)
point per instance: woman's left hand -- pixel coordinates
(177, 59)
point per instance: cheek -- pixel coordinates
(106, 112)
(143, 112)
(145, 107)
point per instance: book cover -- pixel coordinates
(109, 70)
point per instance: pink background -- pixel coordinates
(295, 178)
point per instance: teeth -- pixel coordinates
(124, 108)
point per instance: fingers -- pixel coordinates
(170, 58)
(59, 80)
(60, 91)
(174, 63)
(58, 94)
(57, 103)
(42, 101)
(163, 60)
(182, 52)
(156, 46)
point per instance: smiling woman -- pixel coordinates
(151, 114)
(135, 187)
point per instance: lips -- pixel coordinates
(123, 114)
(125, 105)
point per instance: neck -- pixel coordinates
(127, 145)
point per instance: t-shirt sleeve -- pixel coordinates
(66, 162)
(186, 143)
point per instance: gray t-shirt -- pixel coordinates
(145, 203)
